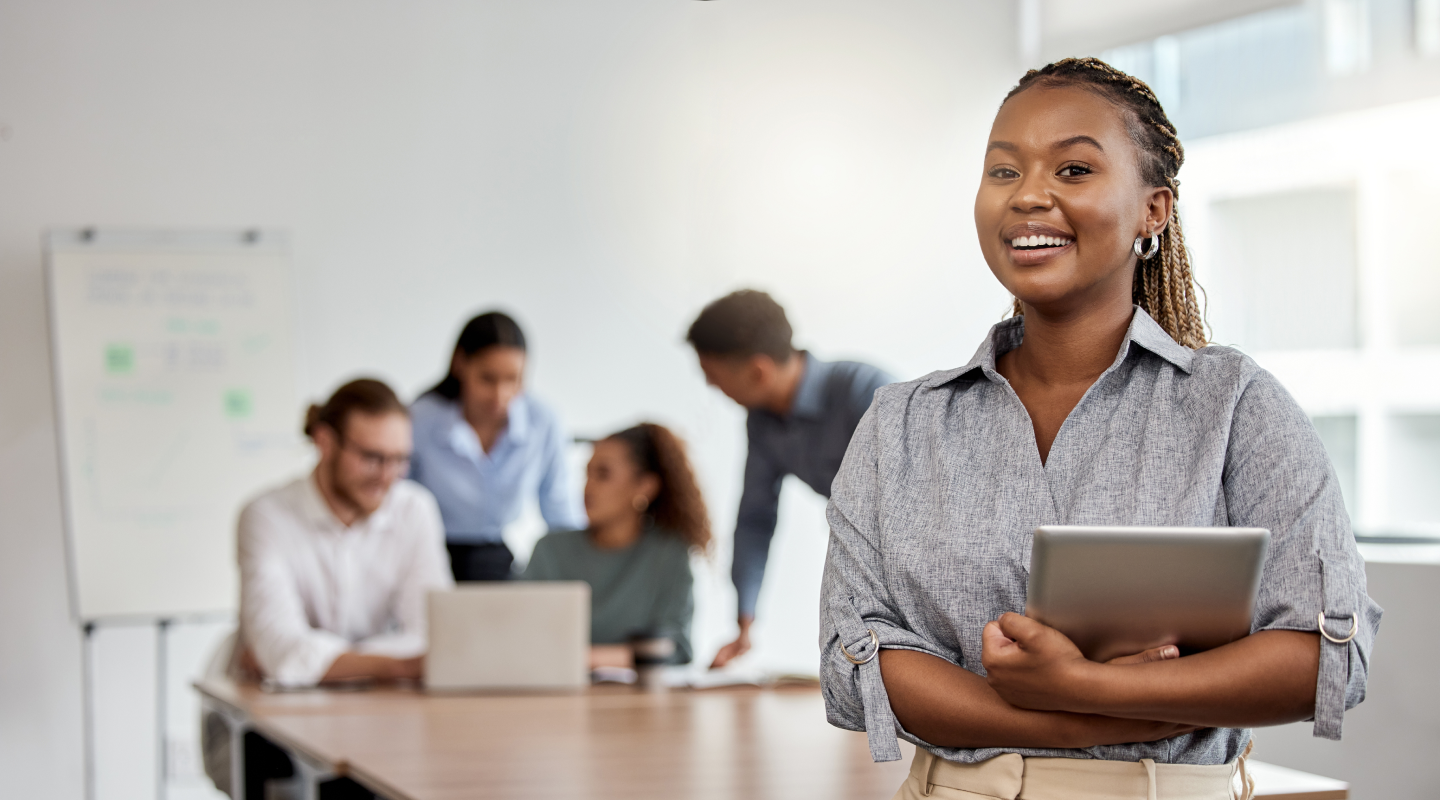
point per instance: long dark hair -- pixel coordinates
(679, 508)
(491, 329)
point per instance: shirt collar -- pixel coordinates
(1147, 333)
(463, 440)
(810, 396)
(313, 507)
(1007, 334)
(518, 427)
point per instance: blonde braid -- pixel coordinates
(1165, 283)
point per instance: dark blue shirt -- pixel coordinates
(808, 443)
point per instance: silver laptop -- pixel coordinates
(509, 635)
(1118, 591)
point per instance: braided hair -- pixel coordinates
(1164, 284)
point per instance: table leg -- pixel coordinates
(237, 727)
(311, 775)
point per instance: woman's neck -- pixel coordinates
(1061, 350)
(487, 429)
(1059, 360)
(618, 534)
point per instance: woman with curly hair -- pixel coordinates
(646, 517)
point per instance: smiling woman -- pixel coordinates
(1163, 284)
(1097, 403)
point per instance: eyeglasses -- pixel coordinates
(376, 461)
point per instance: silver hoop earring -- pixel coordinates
(1151, 251)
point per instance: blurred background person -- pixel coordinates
(802, 412)
(646, 516)
(483, 447)
(335, 567)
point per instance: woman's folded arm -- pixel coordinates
(1264, 679)
(950, 706)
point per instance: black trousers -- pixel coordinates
(264, 761)
(481, 562)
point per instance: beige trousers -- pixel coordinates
(1014, 777)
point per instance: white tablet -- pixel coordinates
(1117, 591)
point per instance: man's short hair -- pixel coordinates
(743, 323)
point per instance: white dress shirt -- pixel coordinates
(312, 588)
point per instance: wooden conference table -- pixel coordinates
(608, 742)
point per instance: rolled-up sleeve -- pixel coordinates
(272, 615)
(857, 615)
(1277, 476)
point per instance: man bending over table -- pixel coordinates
(802, 413)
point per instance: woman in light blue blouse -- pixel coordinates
(483, 447)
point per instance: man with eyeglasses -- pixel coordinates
(335, 567)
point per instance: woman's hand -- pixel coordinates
(1032, 665)
(611, 655)
(950, 706)
(1162, 653)
(1042, 692)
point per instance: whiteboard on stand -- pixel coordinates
(175, 387)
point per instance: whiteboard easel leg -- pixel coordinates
(87, 698)
(162, 706)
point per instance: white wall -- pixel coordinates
(1388, 752)
(1391, 286)
(601, 169)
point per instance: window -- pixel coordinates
(1427, 27)
(1340, 435)
(1412, 260)
(1413, 504)
(1347, 36)
(1285, 264)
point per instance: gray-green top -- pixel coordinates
(643, 589)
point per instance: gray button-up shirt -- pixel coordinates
(933, 511)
